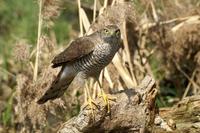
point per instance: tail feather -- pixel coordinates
(58, 87)
(53, 93)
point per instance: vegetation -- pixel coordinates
(160, 38)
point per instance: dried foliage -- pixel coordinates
(179, 46)
(167, 31)
(47, 48)
(50, 11)
(29, 115)
(116, 14)
(22, 51)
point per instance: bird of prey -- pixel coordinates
(86, 56)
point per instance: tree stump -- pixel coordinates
(133, 110)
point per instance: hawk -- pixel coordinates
(86, 56)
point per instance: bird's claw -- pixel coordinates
(106, 99)
(90, 102)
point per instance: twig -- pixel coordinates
(150, 53)
(9, 73)
(85, 21)
(127, 51)
(84, 5)
(175, 20)
(80, 18)
(113, 2)
(108, 78)
(141, 44)
(190, 20)
(32, 53)
(38, 40)
(179, 68)
(155, 16)
(123, 72)
(105, 3)
(32, 66)
(94, 11)
(143, 57)
(189, 84)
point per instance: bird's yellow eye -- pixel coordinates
(117, 32)
(106, 31)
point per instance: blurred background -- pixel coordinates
(160, 38)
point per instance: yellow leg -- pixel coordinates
(90, 101)
(105, 97)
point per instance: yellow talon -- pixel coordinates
(106, 99)
(91, 103)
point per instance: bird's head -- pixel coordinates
(110, 32)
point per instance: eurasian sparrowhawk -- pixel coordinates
(87, 56)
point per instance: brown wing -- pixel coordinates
(78, 48)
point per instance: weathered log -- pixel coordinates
(133, 111)
(184, 117)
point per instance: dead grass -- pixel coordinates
(22, 51)
(165, 31)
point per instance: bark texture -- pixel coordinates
(133, 110)
(184, 117)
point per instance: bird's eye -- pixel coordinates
(117, 32)
(105, 30)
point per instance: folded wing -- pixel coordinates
(78, 48)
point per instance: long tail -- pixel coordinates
(59, 85)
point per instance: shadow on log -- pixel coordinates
(133, 111)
